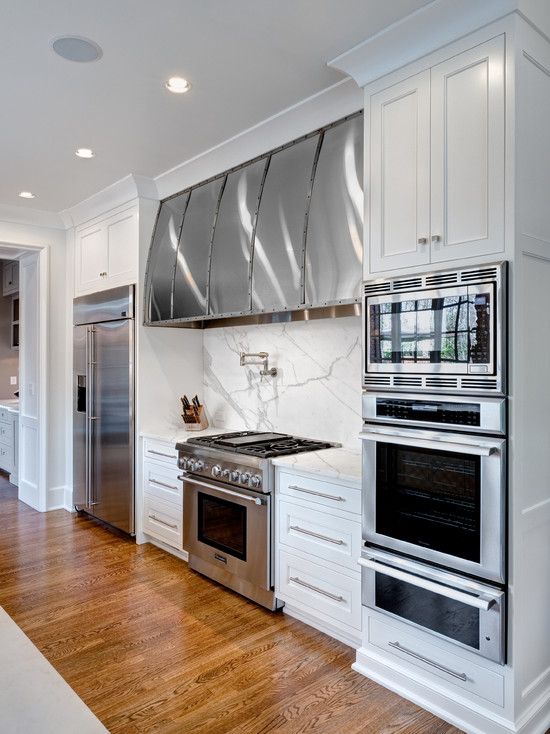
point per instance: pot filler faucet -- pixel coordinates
(258, 358)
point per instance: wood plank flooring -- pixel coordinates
(151, 646)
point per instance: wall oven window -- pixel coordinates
(222, 525)
(429, 498)
(432, 328)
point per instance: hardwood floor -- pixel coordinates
(153, 647)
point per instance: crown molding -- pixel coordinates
(31, 217)
(418, 34)
(121, 192)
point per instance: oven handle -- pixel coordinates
(484, 603)
(254, 500)
(479, 448)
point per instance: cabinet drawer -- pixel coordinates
(162, 482)
(159, 451)
(441, 665)
(320, 591)
(6, 416)
(320, 492)
(163, 520)
(6, 458)
(6, 432)
(322, 535)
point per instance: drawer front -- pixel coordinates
(438, 663)
(6, 432)
(163, 520)
(158, 451)
(6, 457)
(319, 590)
(6, 416)
(162, 482)
(320, 492)
(324, 536)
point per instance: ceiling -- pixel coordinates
(246, 60)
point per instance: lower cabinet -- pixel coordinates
(162, 518)
(9, 449)
(317, 547)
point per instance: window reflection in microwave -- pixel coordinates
(452, 329)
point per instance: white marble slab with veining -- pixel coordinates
(172, 437)
(341, 463)
(34, 698)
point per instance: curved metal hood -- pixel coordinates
(277, 238)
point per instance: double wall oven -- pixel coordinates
(434, 464)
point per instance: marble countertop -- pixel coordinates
(34, 698)
(10, 404)
(174, 436)
(340, 463)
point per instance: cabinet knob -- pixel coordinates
(422, 240)
(436, 238)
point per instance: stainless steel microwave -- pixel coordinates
(442, 331)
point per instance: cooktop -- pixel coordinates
(263, 445)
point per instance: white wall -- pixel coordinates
(55, 242)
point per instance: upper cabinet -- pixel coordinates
(437, 163)
(106, 251)
(10, 278)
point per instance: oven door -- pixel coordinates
(442, 331)
(459, 610)
(228, 528)
(436, 496)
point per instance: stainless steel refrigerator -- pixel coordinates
(103, 412)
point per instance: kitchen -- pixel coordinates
(349, 293)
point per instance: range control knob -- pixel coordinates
(225, 473)
(255, 481)
(216, 470)
(235, 475)
(182, 462)
(245, 476)
(198, 465)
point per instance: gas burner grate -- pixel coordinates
(262, 445)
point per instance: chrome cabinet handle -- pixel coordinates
(422, 240)
(162, 522)
(334, 497)
(162, 484)
(407, 437)
(298, 529)
(162, 453)
(416, 656)
(436, 238)
(299, 581)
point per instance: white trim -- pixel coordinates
(68, 498)
(183, 555)
(32, 217)
(420, 33)
(56, 498)
(336, 632)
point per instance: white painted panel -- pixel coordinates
(399, 177)
(91, 256)
(122, 236)
(467, 153)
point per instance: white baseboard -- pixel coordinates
(55, 498)
(181, 554)
(68, 499)
(338, 634)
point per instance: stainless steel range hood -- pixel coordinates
(277, 238)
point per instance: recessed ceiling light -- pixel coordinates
(84, 153)
(177, 85)
(76, 48)
(26, 194)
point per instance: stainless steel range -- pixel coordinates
(228, 483)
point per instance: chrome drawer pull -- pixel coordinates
(162, 522)
(397, 646)
(161, 453)
(298, 529)
(163, 484)
(299, 581)
(334, 497)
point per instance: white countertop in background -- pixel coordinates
(341, 463)
(10, 404)
(174, 436)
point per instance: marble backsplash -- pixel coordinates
(316, 393)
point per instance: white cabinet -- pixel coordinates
(106, 251)
(10, 278)
(162, 494)
(437, 163)
(317, 544)
(9, 444)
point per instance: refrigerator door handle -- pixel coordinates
(87, 427)
(91, 417)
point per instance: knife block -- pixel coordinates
(190, 422)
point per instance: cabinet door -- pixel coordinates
(400, 175)
(91, 258)
(10, 278)
(467, 153)
(122, 239)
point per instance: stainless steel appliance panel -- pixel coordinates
(277, 275)
(334, 242)
(109, 305)
(437, 496)
(162, 258)
(112, 424)
(193, 261)
(230, 264)
(454, 608)
(81, 338)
